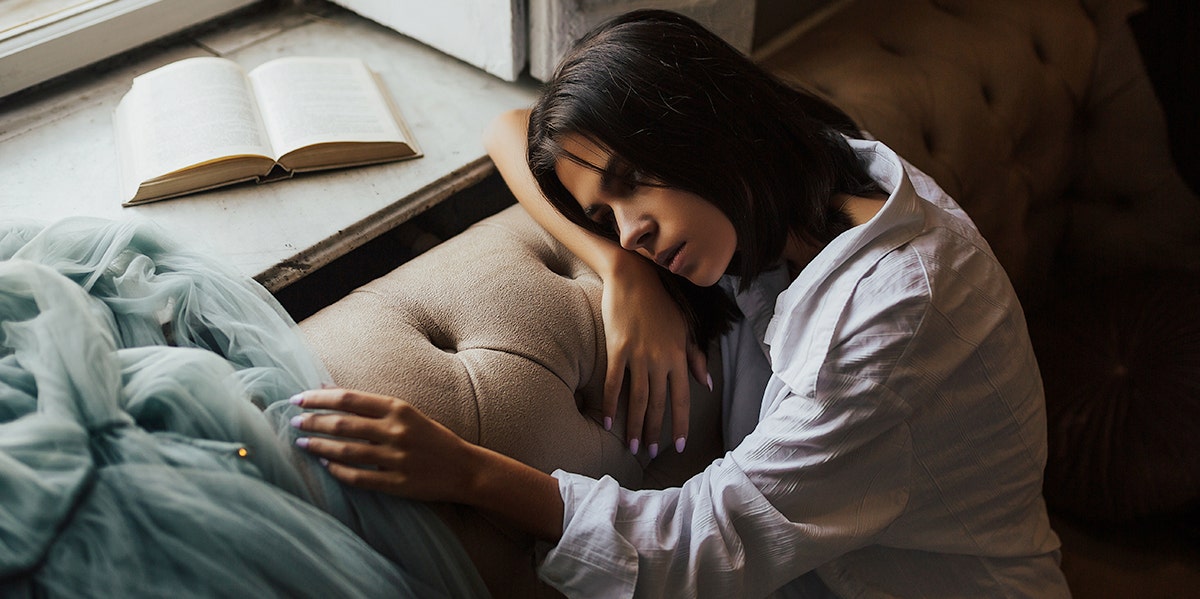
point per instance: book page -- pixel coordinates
(307, 101)
(188, 113)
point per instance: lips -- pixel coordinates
(665, 259)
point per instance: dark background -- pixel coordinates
(1168, 35)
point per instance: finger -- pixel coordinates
(612, 390)
(698, 365)
(681, 406)
(347, 452)
(639, 389)
(346, 400)
(371, 480)
(654, 413)
(345, 425)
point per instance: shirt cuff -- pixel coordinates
(591, 559)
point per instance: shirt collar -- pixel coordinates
(899, 220)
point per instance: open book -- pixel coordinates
(201, 123)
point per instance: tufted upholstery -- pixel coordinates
(996, 134)
(1034, 114)
(1014, 107)
(1130, 356)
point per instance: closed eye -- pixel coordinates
(620, 178)
(603, 216)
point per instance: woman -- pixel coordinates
(883, 408)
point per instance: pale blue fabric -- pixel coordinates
(144, 445)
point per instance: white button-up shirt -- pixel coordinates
(887, 431)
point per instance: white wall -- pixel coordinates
(499, 35)
(489, 34)
(555, 24)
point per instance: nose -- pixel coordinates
(634, 231)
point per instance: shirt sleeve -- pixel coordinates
(810, 484)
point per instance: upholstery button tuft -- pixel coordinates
(561, 267)
(1122, 201)
(441, 341)
(1040, 51)
(890, 48)
(944, 7)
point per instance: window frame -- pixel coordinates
(55, 47)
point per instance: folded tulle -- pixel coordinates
(135, 455)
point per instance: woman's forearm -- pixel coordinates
(645, 331)
(505, 142)
(521, 494)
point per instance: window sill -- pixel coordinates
(58, 154)
(40, 53)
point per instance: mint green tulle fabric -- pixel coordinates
(144, 444)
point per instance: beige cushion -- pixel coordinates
(496, 334)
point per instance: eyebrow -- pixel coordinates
(608, 174)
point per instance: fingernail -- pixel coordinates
(302, 442)
(709, 381)
(296, 420)
(296, 399)
(324, 462)
(679, 443)
(608, 423)
(653, 450)
(633, 446)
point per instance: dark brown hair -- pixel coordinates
(688, 110)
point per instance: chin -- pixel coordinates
(707, 280)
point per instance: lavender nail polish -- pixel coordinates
(709, 381)
(302, 442)
(296, 421)
(608, 423)
(633, 446)
(653, 450)
(679, 444)
(296, 399)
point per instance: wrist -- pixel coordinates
(621, 264)
(476, 474)
(523, 495)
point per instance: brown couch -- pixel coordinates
(1037, 117)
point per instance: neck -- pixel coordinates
(860, 209)
(800, 250)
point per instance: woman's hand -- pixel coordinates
(413, 456)
(646, 334)
(416, 457)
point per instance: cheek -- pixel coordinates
(726, 232)
(731, 245)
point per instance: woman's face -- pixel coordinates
(678, 230)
